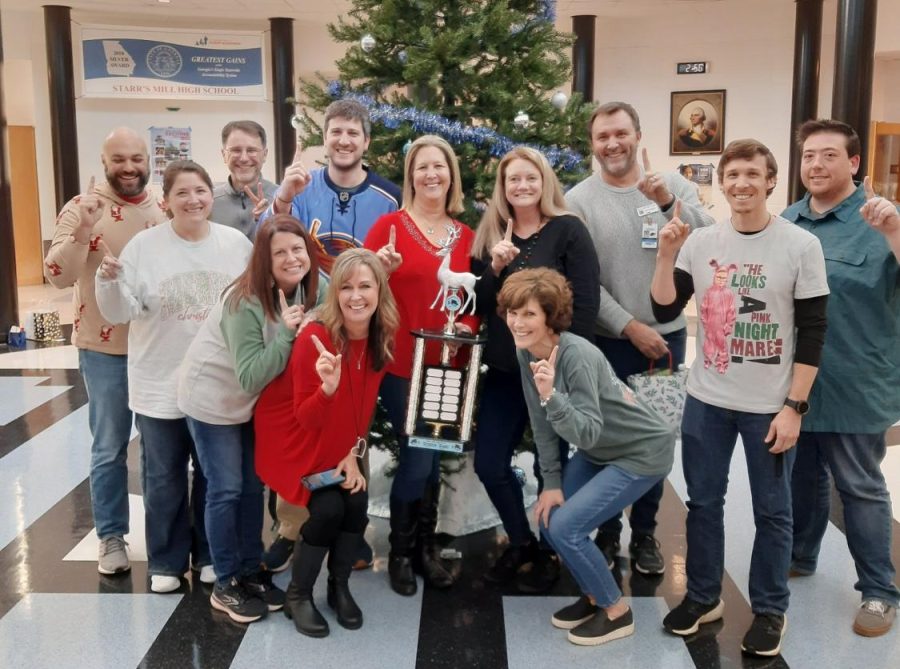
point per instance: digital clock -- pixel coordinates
(692, 68)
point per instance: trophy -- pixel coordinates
(442, 398)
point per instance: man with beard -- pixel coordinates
(340, 202)
(624, 207)
(239, 202)
(102, 220)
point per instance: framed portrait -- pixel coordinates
(698, 122)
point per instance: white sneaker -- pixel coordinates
(207, 574)
(162, 584)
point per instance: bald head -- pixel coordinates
(126, 162)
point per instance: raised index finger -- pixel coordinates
(867, 186)
(392, 236)
(320, 347)
(646, 159)
(90, 188)
(552, 358)
(298, 152)
(676, 213)
(284, 305)
(104, 249)
(253, 198)
(507, 236)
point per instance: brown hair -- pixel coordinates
(249, 127)
(177, 167)
(748, 149)
(256, 280)
(454, 204)
(350, 110)
(813, 127)
(547, 287)
(494, 221)
(610, 108)
(386, 318)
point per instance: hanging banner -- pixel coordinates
(168, 145)
(171, 64)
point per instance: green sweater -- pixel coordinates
(232, 359)
(594, 411)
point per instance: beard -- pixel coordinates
(129, 191)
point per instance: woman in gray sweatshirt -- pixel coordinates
(623, 447)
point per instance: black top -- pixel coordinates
(563, 244)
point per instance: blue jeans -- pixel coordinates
(106, 380)
(174, 530)
(234, 497)
(854, 461)
(709, 435)
(502, 415)
(416, 467)
(593, 493)
(626, 360)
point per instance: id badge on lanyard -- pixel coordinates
(649, 227)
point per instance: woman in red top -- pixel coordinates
(314, 418)
(408, 242)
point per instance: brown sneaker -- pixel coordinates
(874, 618)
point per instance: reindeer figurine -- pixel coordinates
(451, 280)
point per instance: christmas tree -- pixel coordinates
(482, 74)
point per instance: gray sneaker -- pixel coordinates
(874, 618)
(112, 556)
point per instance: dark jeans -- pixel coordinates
(502, 415)
(175, 529)
(333, 510)
(417, 467)
(234, 499)
(708, 436)
(626, 360)
(854, 461)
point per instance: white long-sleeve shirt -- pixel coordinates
(166, 289)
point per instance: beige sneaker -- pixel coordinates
(112, 558)
(874, 618)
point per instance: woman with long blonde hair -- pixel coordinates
(526, 225)
(311, 428)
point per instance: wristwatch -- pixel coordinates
(800, 406)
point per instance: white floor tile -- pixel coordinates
(86, 549)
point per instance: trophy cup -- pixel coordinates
(442, 398)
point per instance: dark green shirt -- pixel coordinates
(857, 389)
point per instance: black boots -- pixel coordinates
(340, 562)
(299, 605)
(404, 521)
(425, 560)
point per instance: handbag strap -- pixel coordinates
(671, 363)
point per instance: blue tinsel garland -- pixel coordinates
(453, 131)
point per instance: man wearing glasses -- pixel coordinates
(239, 201)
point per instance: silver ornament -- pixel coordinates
(402, 56)
(367, 43)
(521, 120)
(296, 121)
(407, 146)
(559, 100)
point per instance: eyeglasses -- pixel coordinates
(252, 152)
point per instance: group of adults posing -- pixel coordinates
(240, 359)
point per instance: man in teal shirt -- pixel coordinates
(855, 397)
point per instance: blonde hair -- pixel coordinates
(385, 320)
(454, 203)
(494, 221)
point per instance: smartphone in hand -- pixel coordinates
(322, 479)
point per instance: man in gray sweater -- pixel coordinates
(624, 206)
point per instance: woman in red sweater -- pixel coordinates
(408, 242)
(315, 417)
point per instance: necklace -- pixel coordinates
(360, 445)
